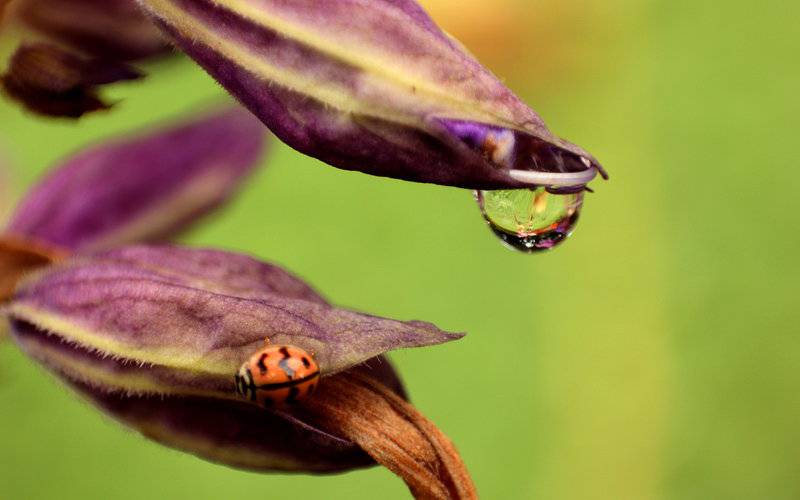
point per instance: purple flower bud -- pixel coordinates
(109, 29)
(373, 86)
(144, 311)
(223, 272)
(144, 188)
(154, 338)
(232, 433)
(82, 37)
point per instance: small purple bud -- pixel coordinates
(144, 188)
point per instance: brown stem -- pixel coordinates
(394, 433)
(19, 256)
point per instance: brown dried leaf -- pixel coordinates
(19, 257)
(51, 81)
(394, 433)
(3, 5)
(111, 29)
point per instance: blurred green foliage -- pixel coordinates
(654, 355)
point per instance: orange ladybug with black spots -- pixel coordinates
(276, 375)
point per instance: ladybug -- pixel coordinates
(275, 375)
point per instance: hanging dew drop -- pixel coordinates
(530, 220)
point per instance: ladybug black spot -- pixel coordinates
(293, 393)
(261, 365)
(306, 362)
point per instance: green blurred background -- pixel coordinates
(655, 355)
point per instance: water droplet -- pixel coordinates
(530, 220)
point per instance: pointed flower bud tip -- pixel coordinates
(192, 331)
(373, 86)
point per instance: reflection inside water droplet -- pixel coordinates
(530, 220)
